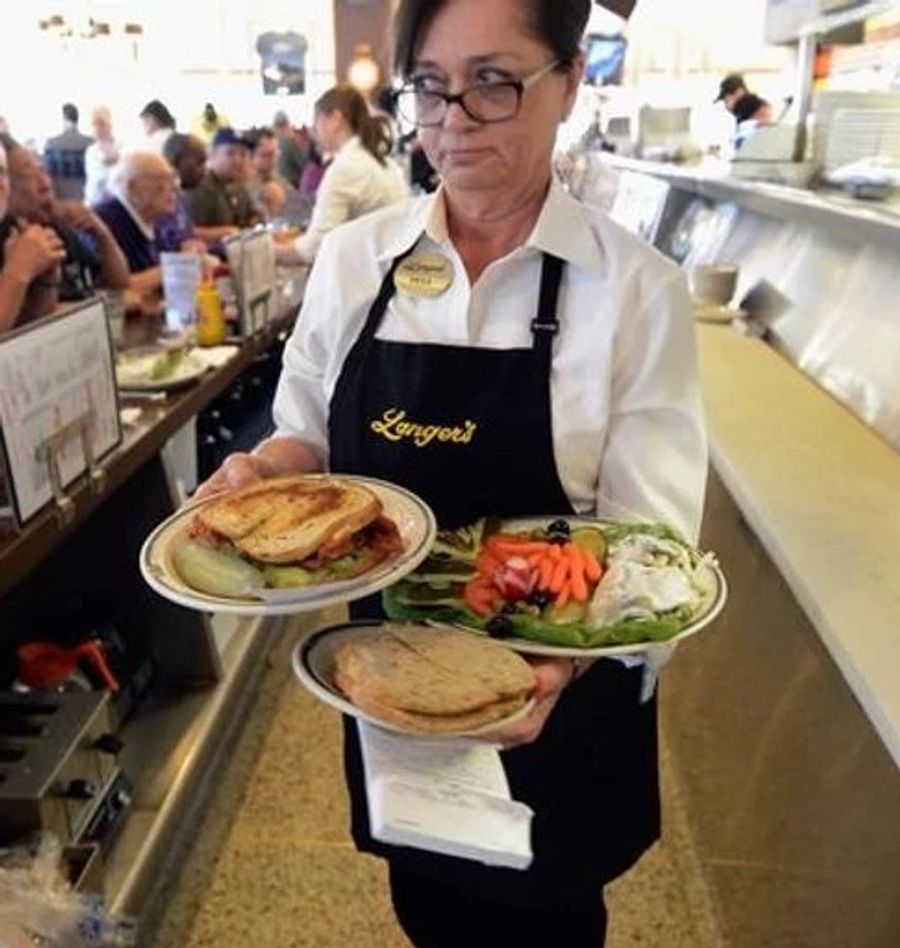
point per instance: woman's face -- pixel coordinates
(327, 129)
(472, 42)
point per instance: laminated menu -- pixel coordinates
(56, 378)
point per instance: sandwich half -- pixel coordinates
(290, 532)
(433, 681)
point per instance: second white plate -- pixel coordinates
(314, 666)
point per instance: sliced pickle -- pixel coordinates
(213, 572)
(592, 540)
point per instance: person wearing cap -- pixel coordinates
(159, 124)
(743, 104)
(221, 205)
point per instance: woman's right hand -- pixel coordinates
(33, 250)
(238, 470)
(277, 457)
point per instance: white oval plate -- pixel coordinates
(715, 603)
(413, 518)
(191, 370)
(313, 662)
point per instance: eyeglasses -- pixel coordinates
(486, 102)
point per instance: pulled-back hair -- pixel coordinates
(560, 24)
(374, 130)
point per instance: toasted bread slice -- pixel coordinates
(430, 672)
(286, 519)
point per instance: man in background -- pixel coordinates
(159, 124)
(267, 188)
(92, 257)
(100, 157)
(292, 155)
(176, 232)
(144, 192)
(743, 104)
(30, 258)
(64, 157)
(221, 205)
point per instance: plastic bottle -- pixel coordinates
(211, 326)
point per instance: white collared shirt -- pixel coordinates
(628, 431)
(354, 184)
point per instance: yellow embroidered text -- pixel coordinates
(394, 426)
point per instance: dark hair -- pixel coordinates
(374, 130)
(257, 135)
(157, 110)
(560, 24)
(178, 144)
(8, 142)
(70, 113)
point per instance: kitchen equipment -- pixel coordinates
(714, 283)
(57, 762)
(46, 665)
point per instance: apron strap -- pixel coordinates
(385, 295)
(546, 325)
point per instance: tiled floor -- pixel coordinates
(272, 866)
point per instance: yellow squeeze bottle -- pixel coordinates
(211, 325)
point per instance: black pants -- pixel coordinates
(435, 915)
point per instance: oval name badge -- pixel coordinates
(424, 274)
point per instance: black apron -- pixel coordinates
(591, 778)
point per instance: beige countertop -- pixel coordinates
(822, 493)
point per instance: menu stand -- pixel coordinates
(48, 453)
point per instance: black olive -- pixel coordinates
(509, 609)
(541, 600)
(499, 628)
(559, 530)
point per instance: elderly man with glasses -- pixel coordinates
(145, 191)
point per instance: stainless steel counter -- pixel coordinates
(841, 216)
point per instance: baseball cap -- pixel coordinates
(731, 83)
(228, 136)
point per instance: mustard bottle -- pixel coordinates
(211, 325)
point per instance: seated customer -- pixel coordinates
(361, 177)
(144, 189)
(220, 204)
(176, 232)
(30, 257)
(93, 259)
(267, 188)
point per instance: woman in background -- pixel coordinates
(361, 177)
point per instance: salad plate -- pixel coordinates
(564, 587)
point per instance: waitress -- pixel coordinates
(565, 346)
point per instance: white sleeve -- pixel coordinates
(300, 409)
(335, 200)
(655, 459)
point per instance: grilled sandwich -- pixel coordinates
(294, 531)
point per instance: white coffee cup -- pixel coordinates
(714, 283)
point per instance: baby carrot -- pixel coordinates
(546, 573)
(559, 574)
(563, 596)
(592, 568)
(576, 576)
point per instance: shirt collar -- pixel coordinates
(562, 229)
(141, 225)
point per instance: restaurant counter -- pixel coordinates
(783, 720)
(195, 674)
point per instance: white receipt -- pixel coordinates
(449, 797)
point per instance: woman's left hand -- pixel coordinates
(552, 676)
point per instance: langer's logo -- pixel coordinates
(395, 426)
